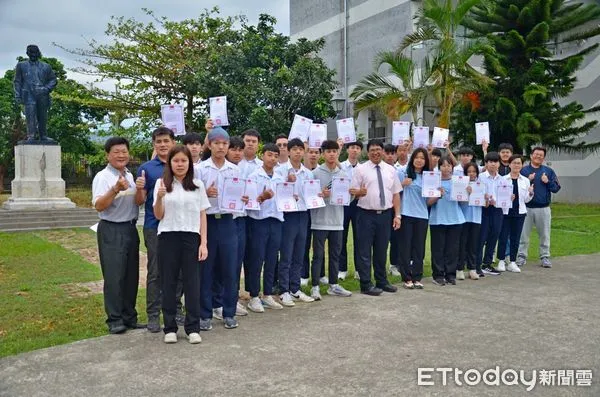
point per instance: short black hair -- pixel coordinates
(357, 143)
(251, 132)
(514, 157)
(471, 164)
(492, 156)
(466, 151)
(389, 148)
(436, 152)
(270, 147)
(191, 137)
(447, 159)
(281, 136)
(504, 146)
(329, 145)
(235, 142)
(543, 149)
(162, 131)
(374, 142)
(296, 142)
(114, 141)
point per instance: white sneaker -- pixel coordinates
(256, 305)
(286, 299)
(302, 297)
(473, 275)
(218, 313)
(501, 266)
(512, 267)
(460, 275)
(342, 275)
(315, 293)
(194, 338)
(240, 310)
(270, 303)
(304, 282)
(338, 290)
(394, 271)
(170, 337)
(324, 280)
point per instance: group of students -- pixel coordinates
(197, 247)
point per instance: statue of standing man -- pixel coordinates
(34, 80)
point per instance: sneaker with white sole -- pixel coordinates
(489, 270)
(170, 337)
(194, 338)
(460, 275)
(546, 262)
(301, 296)
(256, 305)
(218, 313)
(512, 267)
(230, 323)
(315, 293)
(394, 271)
(324, 280)
(303, 282)
(286, 299)
(240, 310)
(269, 303)
(338, 290)
(473, 275)
(501, 266)
(521, 261)
(342, 275)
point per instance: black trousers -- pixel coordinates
(413, 234)
(373, 239)
(119, 250)
(334, 237)
(469, 241)
(306, 265)
(178, 252)
(445, 241)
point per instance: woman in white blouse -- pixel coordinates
(180, 204)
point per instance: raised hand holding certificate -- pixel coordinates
(482, 132)
(420, 136)
(172, 118)
(252, 193)
(231, 197)
(300, 128)
(316, 135)
(345, 130)
(310, 193)
(504, 196)
(459, 188)
(440, 136)
(218, 111)
(340, 191)
(400, 132)
(284, 197)
(477, 196)
(432, 182)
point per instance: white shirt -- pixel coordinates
(302, 174)
(249, 166)
(348, 168)
(268, 208)
(366, 174)
(182, 207)
(123, 207)
(523, 184)
(492, 183)
(209, 173)
(401, 167)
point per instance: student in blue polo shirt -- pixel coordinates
(469, 236)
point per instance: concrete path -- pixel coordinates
(539, 319)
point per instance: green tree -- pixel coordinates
(526, 106)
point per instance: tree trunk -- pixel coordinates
(2, 171)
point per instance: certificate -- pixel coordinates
(504, 196)
(231, 196)
(172, 118)
(300, 128)
(284, 197)
(345, 130)
(459, 188)
(252, 193)
(316, 135)
(477, 196)
(400, 132)
(440, 136)
(432, 182)
(420, 136)
(310, 193)
(218, 111)
(340, 191)
(482, 132)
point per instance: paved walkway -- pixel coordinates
(540, 319)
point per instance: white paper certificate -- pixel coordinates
(503, 199)
(477, 196)
(252, 193)
(284, 197)
(432, 182)
(440, 136)
(218, 111)
(300, 128)
(172, 118)
(310, 193)
(340, 191)
(459, 188)
(420, 136)
(400, 132)
(482, 132)
(231, 197)
(345, 130)
(316, 136)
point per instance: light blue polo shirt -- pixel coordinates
(446, 211)
(413, 204)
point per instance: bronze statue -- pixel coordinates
(34, 80)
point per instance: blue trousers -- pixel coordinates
(220, 265)
(306, 267)
(373, 239)
(240, 224)
(512, 226)
(349, 218)
(265, 235)
(293, 244)
(491, 225)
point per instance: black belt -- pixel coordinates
(220, 216)
(378, 212)
(131, 222)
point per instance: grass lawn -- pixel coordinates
(37, 312)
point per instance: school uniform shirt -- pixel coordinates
(413, 204)
(268, 208)
(286, 166)
(491, 184)
(209, 173)
(366, 174)
(446, 211)
(302, 174)
(522, 193)
(123, 207)
(182, 208)
(458, 170)
(249, 166)
(399, 167)
(330, 217)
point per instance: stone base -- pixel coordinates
(33, 204)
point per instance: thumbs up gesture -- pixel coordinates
(162, 190)
(140, 182)
(532, 176)
(122, 184)
(212, 191)
(545, 178)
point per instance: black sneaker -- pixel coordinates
(490, 270)
(439, 281)
(153, 325)
(481, 274)
(451, 281)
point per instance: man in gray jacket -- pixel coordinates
(327, 223)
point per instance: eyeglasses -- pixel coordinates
(282, 145)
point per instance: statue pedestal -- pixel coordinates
(38, 184)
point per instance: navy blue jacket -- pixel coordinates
(542, 191)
